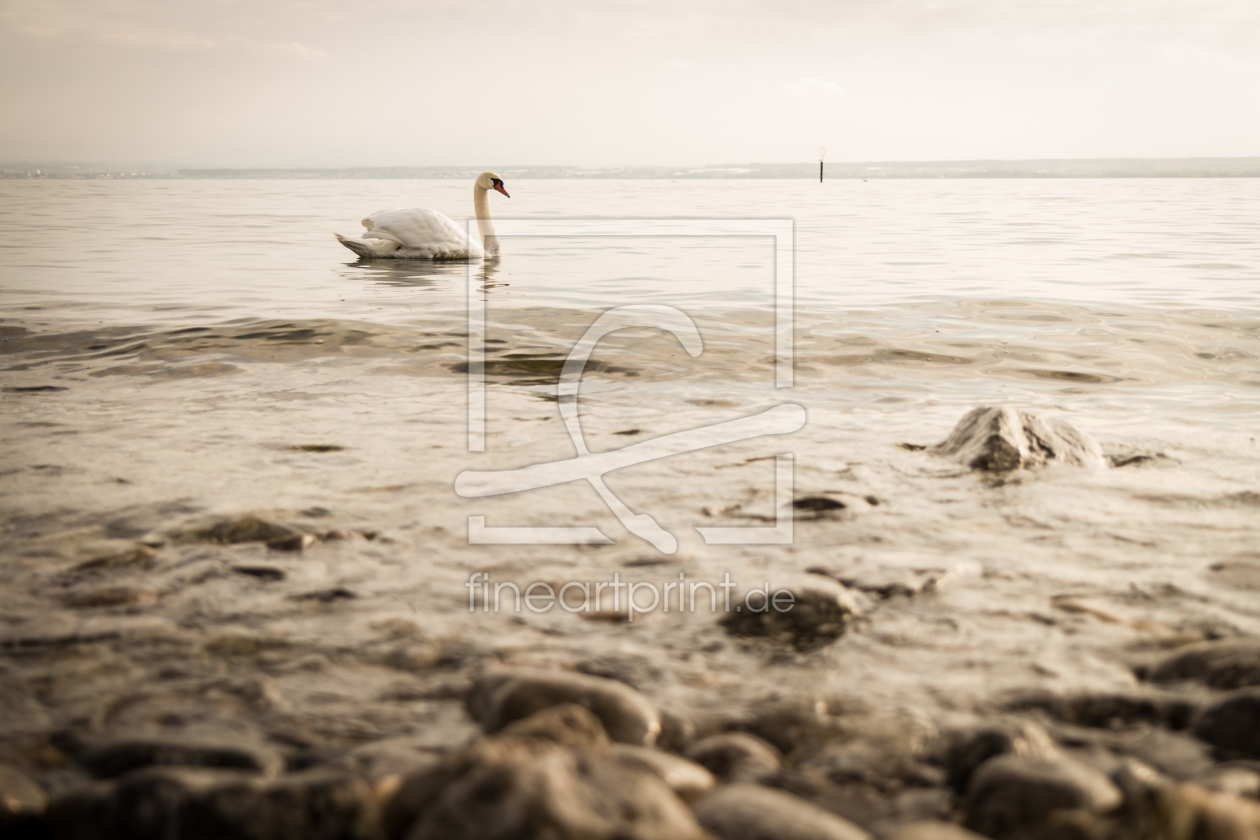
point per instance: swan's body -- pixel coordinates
(420, 233)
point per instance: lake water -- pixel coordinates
(177, 351)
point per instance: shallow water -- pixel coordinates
(169, 348)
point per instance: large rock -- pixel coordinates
(1224, 663)
(1012, 793)
(998, 439)
(819, 610)
(735, 757)
(1232, 724)
(117, 756)
(752, 812)
(503, 695)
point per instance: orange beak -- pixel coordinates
(498, 186)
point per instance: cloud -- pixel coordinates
(813, 87)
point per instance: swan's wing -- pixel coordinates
(425, 232)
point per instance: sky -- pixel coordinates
(328, 83)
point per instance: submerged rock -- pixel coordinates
(503, 695)
(805, 610)
(1010, 794)
(752, 812)
(1224, 663)
(998, 439)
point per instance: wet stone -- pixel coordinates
(1223, 664)
(999, 439)
(752, 812)
(121, 755)
(246, 529)
(503, 695)
(803, 610)
(1011, 793)
(735, 757)
(685, 778)
(1232, 724)
(293, 542)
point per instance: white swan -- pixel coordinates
(421, 233)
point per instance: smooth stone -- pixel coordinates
(751, 812)
(505, 789)
(20, 797)
(686, 778)
(1232, 724)
(1001, 438)
(503, 695)
(121, 755)
(293, 542)
(966, 750)
(735, 757)
(567, 724)
(932, 830)
(819, 612)
(1010, 793)
(1223, 663)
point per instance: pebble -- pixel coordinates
(735, 757)
(1001, 438)
(1232, 724)
(819, 611)
(966, 750)
(503, 695)
(137, 557)
(932, 830)
(1011, 793)
(685, 778)
(751, 812)
(1223, 664)
(117, 756)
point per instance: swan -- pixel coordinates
(421, 233)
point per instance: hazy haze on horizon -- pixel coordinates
(318, 83)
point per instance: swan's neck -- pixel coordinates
(485, 224)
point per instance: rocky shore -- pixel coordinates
(219, 679)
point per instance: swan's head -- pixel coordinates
(491, 181)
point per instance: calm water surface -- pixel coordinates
(169, 347)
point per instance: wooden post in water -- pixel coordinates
(822, 153)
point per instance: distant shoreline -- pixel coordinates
(1238, 167)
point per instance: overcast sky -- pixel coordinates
(333, 83)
